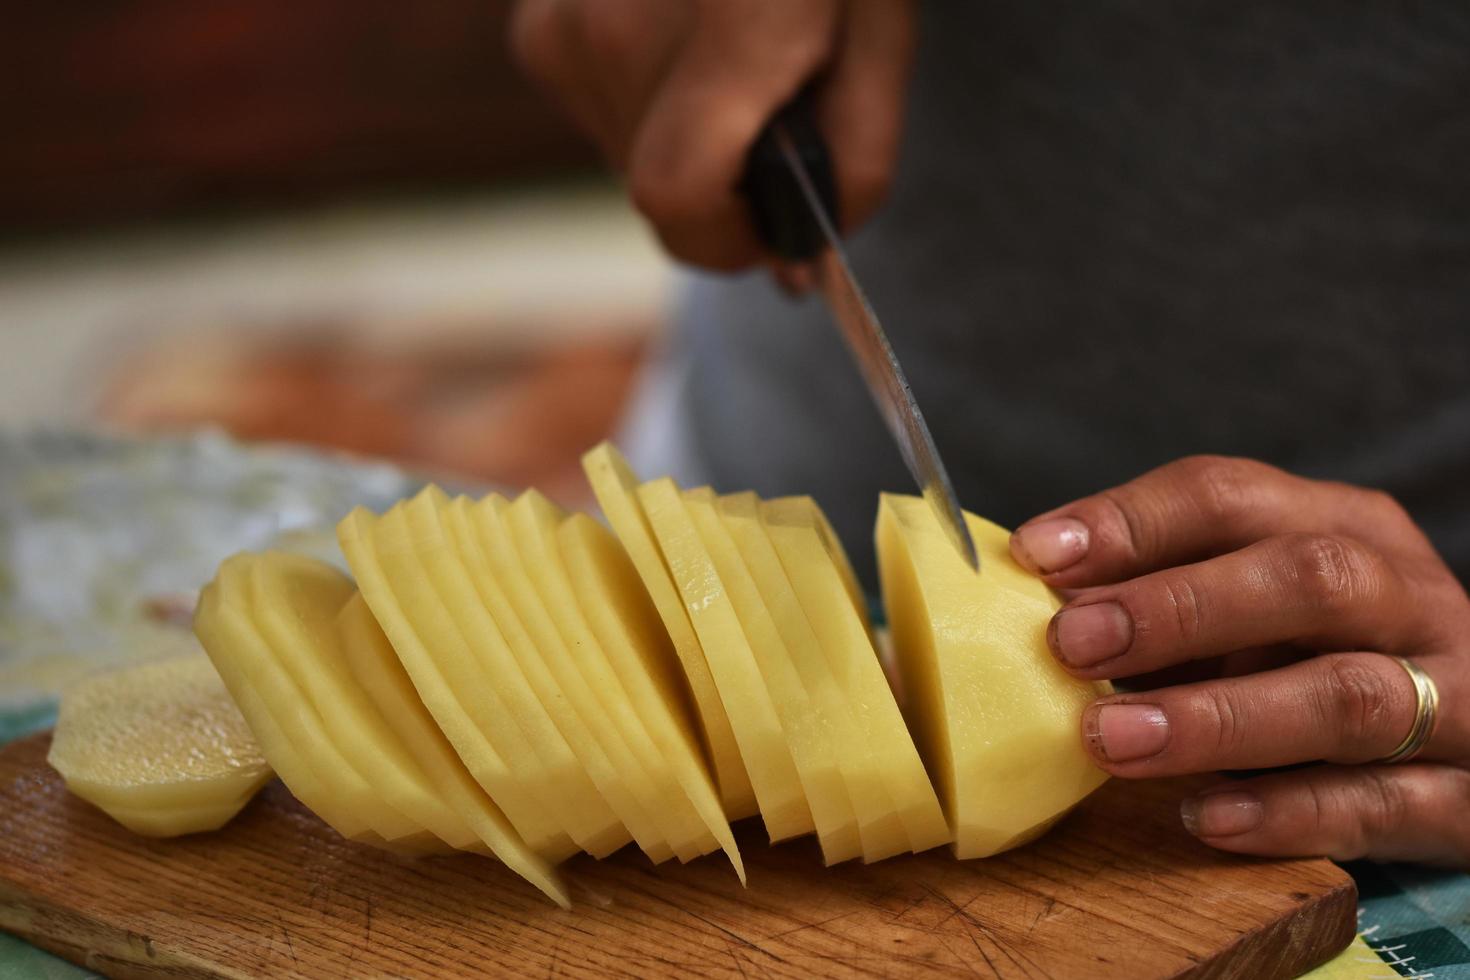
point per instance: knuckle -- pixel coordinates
(537, 38)
(1385, 504)
(1360, 703)
(1331, 573)
(1183, 601)
(1224, 713)
(1135, 527)
(607, 28)
(661, 194)
(1222, 487)
(1382, 807)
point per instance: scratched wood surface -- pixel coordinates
(1117, 890)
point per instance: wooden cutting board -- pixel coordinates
(1117, 890)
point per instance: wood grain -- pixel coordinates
(1117, 890)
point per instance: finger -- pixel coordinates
(602, 61)
(1318, 590)
(742, 63)
(1389, 813)
(1346, 707)
(1193, 509)
(861, 103)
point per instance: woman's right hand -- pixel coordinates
(676, 91)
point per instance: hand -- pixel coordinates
(1302, 589)
(676, 91)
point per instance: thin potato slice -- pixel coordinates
(452, 684)
(489, 612)
(616, 489)
(878, 825)
(160, 747)
(625, 622)
(809, 729)
(298, 602)
(560, 641)
(535, 522)
(742, 687)
(326, 786)
(815, 573)
(376, 667)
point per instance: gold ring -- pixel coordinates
(1426, 714)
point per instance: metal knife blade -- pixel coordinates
(880, 368)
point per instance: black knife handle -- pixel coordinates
(782, 219)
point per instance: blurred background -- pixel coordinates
(351, 225)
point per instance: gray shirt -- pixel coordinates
(1123, 232)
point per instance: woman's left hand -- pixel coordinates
(1306, 591)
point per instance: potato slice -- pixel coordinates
(742, 687)
(835, 550)
(376, 668)
(160, 747)
(298, 601)
(814, 563)
(385, 556)
(523, 538)
(288, 732)
(997, 718)
(879, 828)
(616, 489)
(495, 591)
(622, 616)
(809, 730)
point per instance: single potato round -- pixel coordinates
(160, 747)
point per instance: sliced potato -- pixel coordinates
(795, 527)
(498, 606)
(579, 667)
(616, 489)
(298, 602)
(376, 668)
(288, 730)
(817, 722)
(742, 687)
(385, 556)
(625, 622)
(159, 746)
(996, 716)
(880, 830)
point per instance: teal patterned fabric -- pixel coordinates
(1416, 919)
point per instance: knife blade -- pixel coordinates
(860, 327)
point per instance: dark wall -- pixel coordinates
(113, 110)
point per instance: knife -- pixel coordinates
(793, 197)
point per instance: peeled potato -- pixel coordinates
(899, 810)
(616, 489)
(291, 734)
(375, 666)
(508, 679)
(654, 820)
(160, 747)
(746, 700)
(795, 673)
(398, 560)
(620, 614)
(995, 716)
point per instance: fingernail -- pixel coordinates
(1081, 636)
(1221, 814)
(1050, 546)
(1125, 732)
